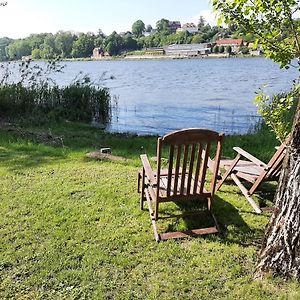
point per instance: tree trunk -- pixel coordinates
(280, 253)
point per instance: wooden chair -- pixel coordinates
(185, 177)
(252, 170)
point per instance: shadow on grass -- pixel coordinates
(233, 228)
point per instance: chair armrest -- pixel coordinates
(251, 157)
(148, 169)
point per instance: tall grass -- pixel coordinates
(37, 99)
(43, 104)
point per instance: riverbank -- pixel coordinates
(72, 226)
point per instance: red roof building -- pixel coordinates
(234, 43)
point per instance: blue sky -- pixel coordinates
(19, 18)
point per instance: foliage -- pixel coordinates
(244, 50)
(4, 43)
(216, 49)
(18, 48)
(277, 111)
(83, 46)
(138, 27)
(270, 21)
(273, 25)
(221, 49)
(201, 22)
(66, 44)
(229, 49)
(36, 99)
(162, 26)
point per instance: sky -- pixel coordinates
(19, 18)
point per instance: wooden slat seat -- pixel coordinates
(185, 178)
(252, 170)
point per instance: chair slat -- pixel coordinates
(199, 159)
(191, 167)
(177, 168)
(204, 167)
(171, 156)
(184, 163)
(277, 166)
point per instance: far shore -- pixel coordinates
(161, 57)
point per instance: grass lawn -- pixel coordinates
(71, 228)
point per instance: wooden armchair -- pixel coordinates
(185, 177)
(252, 170)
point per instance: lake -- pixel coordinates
(158, 96)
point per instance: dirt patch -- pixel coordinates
(97, 155)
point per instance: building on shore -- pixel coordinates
(174, 25)
(99, 53)
(235, 44)
(154, 51)
(189, 27)
(188, 50)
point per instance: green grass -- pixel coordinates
(71, 228)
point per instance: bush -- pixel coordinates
(222, 49)
(244, 50)
(229, 49)
(215, 49)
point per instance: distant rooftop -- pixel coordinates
(237, 42)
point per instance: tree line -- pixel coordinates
(65, 44)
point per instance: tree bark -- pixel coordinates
(280, 253)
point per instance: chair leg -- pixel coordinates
(139, 182)
(246, 193)
(229, 171)
(142, 178)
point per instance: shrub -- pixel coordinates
(278, 111)
(244, 50)
(221, 49)
(215, 49)
(229, 49)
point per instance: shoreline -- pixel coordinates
(161, 57)
(146, 57)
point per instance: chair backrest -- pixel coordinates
(188, 151)
(275, 163)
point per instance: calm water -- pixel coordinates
(159, 96)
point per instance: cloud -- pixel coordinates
(209, 16)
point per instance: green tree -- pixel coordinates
(277, 32)
(36, 53)
(221, 49)
(138, 27)
(64, 43)
(197, 39)
(49, 50)
(129, 43)
(4, 42)
(84, 45)
(215, 49)
(244, 50)
(162, 26)
(114, 44)
(18, 48)
(201, 22)
(229, 49)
